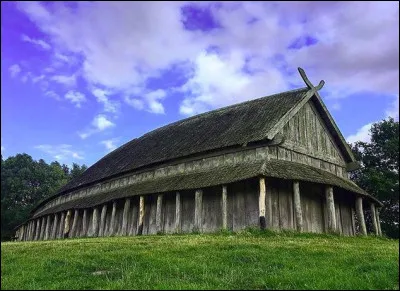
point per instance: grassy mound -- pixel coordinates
(246, 260)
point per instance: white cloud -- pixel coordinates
(44, 45)
(76, 97)
(2, 149)
(62, 152)
(14, 70)
(362, 134)
(102, 97)
(110, 144)
(99, 123)
(121, 47)
(62, 57)
(219, 81)
(53, 95)
(68, 81)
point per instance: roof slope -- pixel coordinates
(212, 177)
(229, 126)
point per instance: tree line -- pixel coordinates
(25, 182)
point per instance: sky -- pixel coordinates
(79, 79)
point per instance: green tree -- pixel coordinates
(379, 172)
(24, 183)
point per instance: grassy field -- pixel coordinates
(246, 260)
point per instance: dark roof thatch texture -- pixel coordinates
(229, 126)
(213, 177)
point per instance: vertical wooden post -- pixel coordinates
(31, 229)
(330, 207)
(74, 223)
(159, 213)
(374, 219)
(378, 221)
(47, 230)
(95, 221)
(112, 222)
(261, 202)
(360, 216)
(37, 232)
(67, 222)
(178, 212)
(84, 223)
(21, 232)
(55, 225)
(125, 216)
(224, 207)
(141, 215)
(198, 221)
(42, 228)
(60, 233)
(103, 214)
(297, 206)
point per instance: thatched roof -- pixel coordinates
(234, 125)
(216, 176)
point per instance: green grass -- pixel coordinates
(247, 260)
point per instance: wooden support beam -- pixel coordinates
(353, 220)
(67, 223)
(374, 219)
(330, 207)
(125, 216)
(102, 228)
(261, 202)
(141, 215)
(178, 207)
(61, 229)
(378, 221)
(74, 224)
(85, 223)
(224, 207)
(42, 228)
(21, 233)
(360, 216)
(198, 220)
(37, 231)
(95, 222)
(159, 219)
(47, 230)
(297, 206)
(55, 226)
(112, 228)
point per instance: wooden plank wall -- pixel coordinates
(242, 209)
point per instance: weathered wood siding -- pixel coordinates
(309, 141)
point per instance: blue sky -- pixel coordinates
(82, 78)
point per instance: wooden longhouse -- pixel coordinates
(277, 162)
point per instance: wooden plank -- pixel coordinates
(141, 215)
(112, 229)
(159, 214)
(84, 223)
(198, 209)
(125, 216)
(95, 222)
(169, 212)
(297, 206)
(331, 214)
(360, 216)
(188, 209)
(74, 223)
(178, 207)
(62, 223)
(67, 222)
(102, 227)
(224, 204)
(261, 202)
(374, 220)
(134, 216)
(55, 226)
(378, 220)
